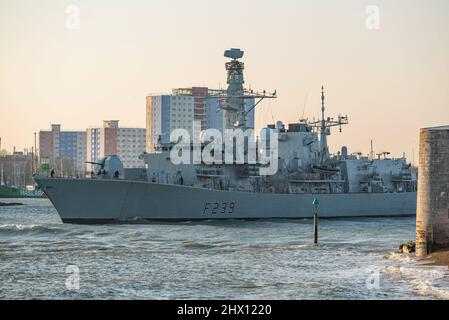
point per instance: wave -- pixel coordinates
(197, 245)
(27, 229)
(426, 280)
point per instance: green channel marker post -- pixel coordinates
(316, 203)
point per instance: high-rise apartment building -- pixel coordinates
(126, 143)
(58, 147)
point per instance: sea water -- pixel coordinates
(41, 258)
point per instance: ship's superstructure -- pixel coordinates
(304, 162)
(346, 184)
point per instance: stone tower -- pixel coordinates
(432, 216)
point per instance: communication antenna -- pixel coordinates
(271, 111)
(304, 107)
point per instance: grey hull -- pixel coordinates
(103, 201)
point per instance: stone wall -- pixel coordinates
(432, 217)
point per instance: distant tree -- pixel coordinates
(63, 167)
(17, 171)
(3, 152)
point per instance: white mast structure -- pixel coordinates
(323, 127)
(324, 149)
(235, 113)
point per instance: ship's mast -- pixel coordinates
(234, 107)
(235, 111)
(323, 127)
(324, 150)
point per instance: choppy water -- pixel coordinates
(220, 260)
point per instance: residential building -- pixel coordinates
(126, 143)
(65, 150)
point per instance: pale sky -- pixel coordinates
(390, 82)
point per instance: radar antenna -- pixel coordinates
(304, 107)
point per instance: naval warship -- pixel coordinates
(344, 184)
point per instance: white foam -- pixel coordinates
(427, 280)
(19, 227)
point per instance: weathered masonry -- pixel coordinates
(432, 216)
